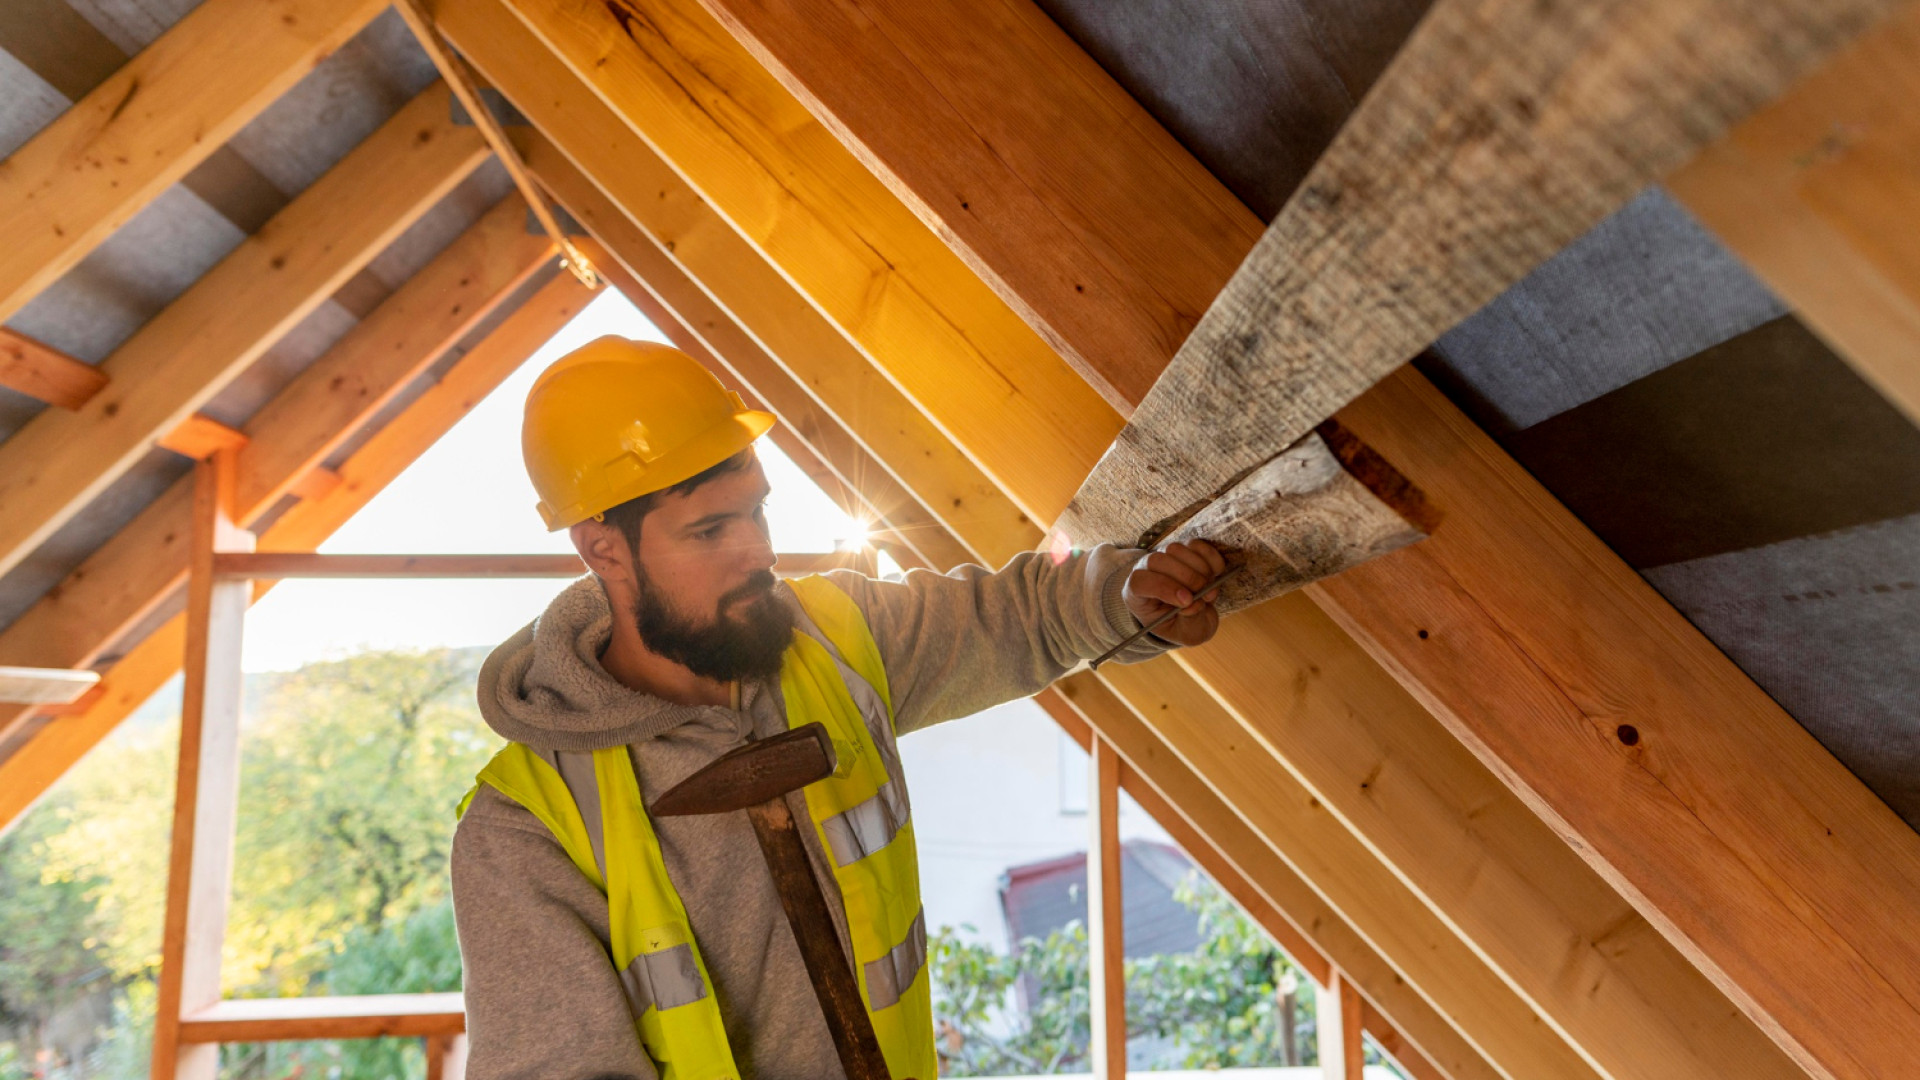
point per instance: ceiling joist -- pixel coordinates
(39, 370)
(150, 123)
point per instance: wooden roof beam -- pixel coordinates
(36, 763)
(135, 570)
(1817, 193)
(582, 136)
(39, 370)
(1461, 171)
(183, 356)
(1177, 796)
(150, 123)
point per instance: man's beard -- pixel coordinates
(747, 637)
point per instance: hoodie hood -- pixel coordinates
(544, 686)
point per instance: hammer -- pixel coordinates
(756, 778)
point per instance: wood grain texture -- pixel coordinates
(42, 759)
(150, 123)
(1297, 826)
(596, 163)
(915, 309)
(143, 564)
(200, 437)
(206, 799)
(1106, 925)
(1817, 194)
(1293, 520)
(1120, 716)
(990, 123)
(1686, 787)
(1500, 133)
(39, 370)
(183, 356)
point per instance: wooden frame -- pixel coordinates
(34, 765)
(39, 370)
(1106, 926)
(275, 278)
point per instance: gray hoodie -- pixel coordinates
(543, 999)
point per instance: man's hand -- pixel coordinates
(1168, 579)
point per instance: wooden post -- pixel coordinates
(1338, 1016)
(1106, 941)
(207, 788)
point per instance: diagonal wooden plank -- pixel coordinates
(676, 79)
(1817, 192)
(235, 312)
(1252, 854)
(150, 123)
(581, 134)
(1619, 91)
(145, 563)
(1501, 132)
(36, 763)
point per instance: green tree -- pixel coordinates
(49, 955)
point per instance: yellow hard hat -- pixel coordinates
(616, 419)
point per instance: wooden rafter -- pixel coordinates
(1418, 214)
(1389, 985)
(236, 311)
(39, 370)
(150, 123)
(36, 763)
(1317, 937)
(1816, 193)
(144, 563)
(858, 254)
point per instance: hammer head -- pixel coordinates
(758, 772)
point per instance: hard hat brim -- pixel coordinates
(686, 461)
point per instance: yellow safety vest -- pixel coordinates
(591, 802)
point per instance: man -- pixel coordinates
(600, 943)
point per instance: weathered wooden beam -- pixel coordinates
(144, 563)
(1500, 133)
(39, 370)
(862, 258)
(587, 139)
(1249, 853)
(187, 353)
(33, 765)
(150, 123)
(1817, 194)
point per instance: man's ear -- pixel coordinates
(604, 549)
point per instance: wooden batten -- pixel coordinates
(45, 686)
(234, 313)
(41, 371)
(348, 1016)
(200, 437)
(150, 123)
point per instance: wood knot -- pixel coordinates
(1629, 735)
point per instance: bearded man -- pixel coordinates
(600, 943)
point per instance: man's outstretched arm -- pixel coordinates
(957, 643)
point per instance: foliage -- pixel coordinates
(350, 771)
(1217, 1006)
(1219, 1003)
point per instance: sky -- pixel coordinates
(469, 493)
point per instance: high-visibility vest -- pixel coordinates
(591, 802)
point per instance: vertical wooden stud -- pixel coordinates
(1338, 1017)
(207, 788)
(1106, 941)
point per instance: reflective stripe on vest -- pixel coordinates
(591, 802)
